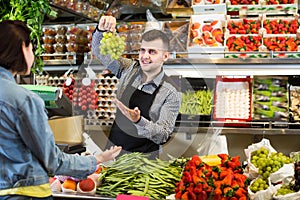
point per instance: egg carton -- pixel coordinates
(41, 79)
(233, 99)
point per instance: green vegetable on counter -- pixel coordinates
(135, 174)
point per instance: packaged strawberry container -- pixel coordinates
(282, 45)
(244, 25)
(280, 25)
(244, 46)
(279, 6)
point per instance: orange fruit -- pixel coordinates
(69, 184)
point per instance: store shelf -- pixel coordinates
(62, 68)
(204, 68)
(225, 130)
(210, 68)
(78, 15)
(237, 130)
(251, 131)
(260, 128)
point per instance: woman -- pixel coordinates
(28, 153)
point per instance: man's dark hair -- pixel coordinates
(13, 33)
(155, 34)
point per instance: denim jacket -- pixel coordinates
(28, 153)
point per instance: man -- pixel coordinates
(147, 99)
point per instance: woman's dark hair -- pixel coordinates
(13, 33)
(155, 34)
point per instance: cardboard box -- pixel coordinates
(67, 130)
(201, 31)
(210, 9)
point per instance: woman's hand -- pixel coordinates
(107, 23)
(108, 155)
(132, 114)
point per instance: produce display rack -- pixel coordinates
(64, 59)
(78, 15)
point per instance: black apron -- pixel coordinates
(124, 133)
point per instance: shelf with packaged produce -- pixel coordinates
(232, 67)
(205, 68)
(210, 67)
(81, 11)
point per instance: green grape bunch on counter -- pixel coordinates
(112, 44)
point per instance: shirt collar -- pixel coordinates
(156, 81)
(6, 74)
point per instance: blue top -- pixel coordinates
(28, 153)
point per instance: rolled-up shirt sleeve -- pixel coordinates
(159, 131)
(32, 124)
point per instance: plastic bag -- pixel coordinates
(251, 171)
(152, 22)
(266, 194)
(284, 172)
(213, 143)
(290, 196)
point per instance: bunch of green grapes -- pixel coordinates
(284, 189)
(258, 185)
(268, 163)
(112, 44)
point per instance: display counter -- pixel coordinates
(61, 195)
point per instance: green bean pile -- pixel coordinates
(135, 174)
(196, 102)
